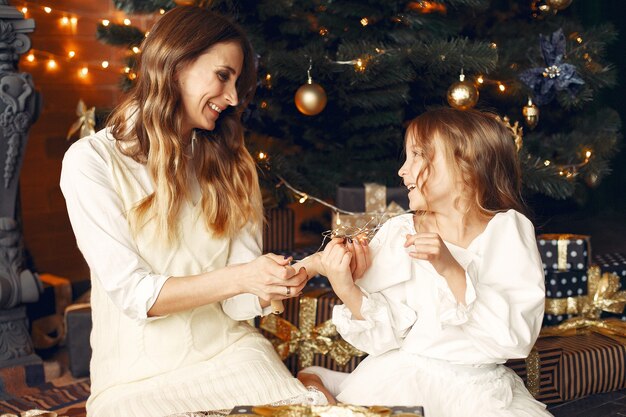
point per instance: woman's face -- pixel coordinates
(207, 85)
(440, 189)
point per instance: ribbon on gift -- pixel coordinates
(533, 372)
(562, 242)
(86, 122)
(604, 294)
(309, 339)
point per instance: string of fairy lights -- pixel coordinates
(70, 58)
(69, 20)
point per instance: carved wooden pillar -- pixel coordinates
(19, 108)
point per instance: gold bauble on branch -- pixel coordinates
(558, 4)
(310, 98)
(531, 114)
(462, 94)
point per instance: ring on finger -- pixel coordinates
(288, 292)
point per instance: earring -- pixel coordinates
(193, 142)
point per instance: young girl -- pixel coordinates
(453, 291)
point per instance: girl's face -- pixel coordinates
(435, 191)
(207, 85)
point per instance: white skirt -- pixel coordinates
(398, 378)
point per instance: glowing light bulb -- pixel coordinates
(52, 64)
(365, 21)
(24, 10)
(127, 22)
(71, 54)
(47, 9)
(105, 64)
(73, 21)
(105, 22)
(262, 155)
(588, 154)
(303, 199)
(30, 57)
(83, 71)
(127, 70)
(501, 87)
(136, 50)
(546, 162)
(162, 11)
(480, 79)
(65, 20)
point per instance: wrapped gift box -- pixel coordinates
(78, 319)
(614, 263)
(343, 410)
(564, 368)
(48, 329)
(561, 286)
(278, 231)
(304, 335)
(360, 199)
(565, 252)
(371, 206)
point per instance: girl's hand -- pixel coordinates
(335, 261)
(430, 247)
(270, 277)
(361, 257)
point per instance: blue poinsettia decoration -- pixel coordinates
(556, 75)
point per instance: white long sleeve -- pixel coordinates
(504, 299)
(98, 218)
(245, 247)
(506, 315)
(386, 316)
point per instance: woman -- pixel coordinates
(166, 209)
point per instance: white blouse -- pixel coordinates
(409, 306)
(99, 221)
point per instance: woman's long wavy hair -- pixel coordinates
(148, 127)
(481, 151)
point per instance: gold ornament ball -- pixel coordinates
(310, 99)
(531, 115)
(558, 4)
(462, 95)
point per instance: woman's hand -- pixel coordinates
(270, 277)
(335, 262)
(361, 257)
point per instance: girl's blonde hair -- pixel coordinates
(148, 127)
(480, 150)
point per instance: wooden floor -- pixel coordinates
(612, 404)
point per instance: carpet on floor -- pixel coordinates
(23, 388)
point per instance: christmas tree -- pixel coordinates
(358, 70)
